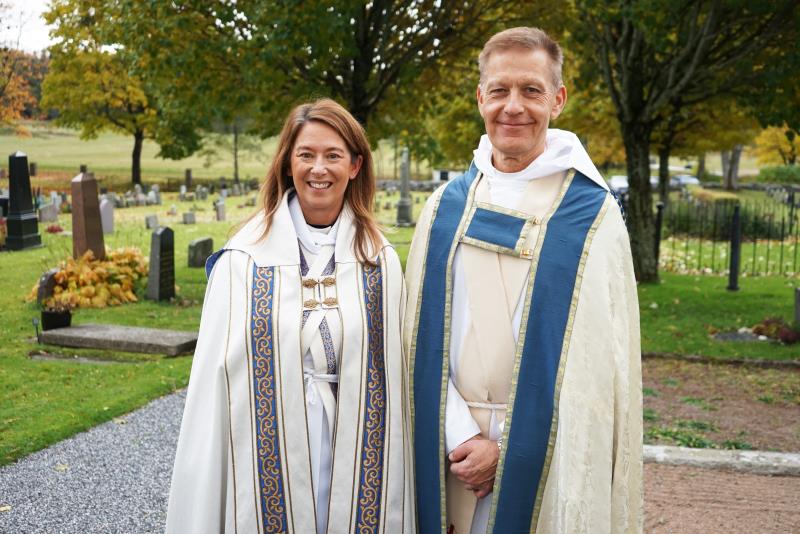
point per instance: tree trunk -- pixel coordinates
(733, 170)
(725, 155)
(701, 165)
(663, 174)
(235, 153)
(641, 223)
(136, 164)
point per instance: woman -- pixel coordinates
(296, 416)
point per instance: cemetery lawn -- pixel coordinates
(680, 314)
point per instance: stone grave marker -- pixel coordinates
(161, 279)
(156, 190)
(48, 213)
(182, 194)
(189, 218)
(83, 168)
(151, 198)
(151, 222)
(87, 228)
(199, 251)
(219, 209)
(47, 283)
(107, 215)
(236, 190)
(223, 193)
(187, 178)
(55, 199)
(33, 168)
(173, 210)
(21, 223)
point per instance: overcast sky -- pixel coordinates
(27, 14)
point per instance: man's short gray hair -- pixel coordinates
(526, 38)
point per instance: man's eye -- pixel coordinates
(497, 91)
(533, 90)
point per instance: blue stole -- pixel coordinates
(529, 430)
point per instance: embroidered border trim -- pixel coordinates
(371, 471)
(270, 478)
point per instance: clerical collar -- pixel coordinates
(314, 240)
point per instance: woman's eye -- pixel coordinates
(304, 155)
(334, 156)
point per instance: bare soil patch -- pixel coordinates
(682, 499)
(711, 405)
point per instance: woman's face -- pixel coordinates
(321, 167)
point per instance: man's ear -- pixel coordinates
(479, 99)
(560, 102)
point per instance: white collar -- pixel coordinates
(313, 242)
(563, 151)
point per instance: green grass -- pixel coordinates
(679, 314)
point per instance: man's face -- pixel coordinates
(517, 101)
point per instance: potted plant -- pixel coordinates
(56, 314)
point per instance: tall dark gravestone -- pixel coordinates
(187, 178)
(87, 225)
(161, 280)
(22, 224)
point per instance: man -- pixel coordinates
(523, 325)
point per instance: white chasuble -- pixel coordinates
(550, 364)
(296, 416)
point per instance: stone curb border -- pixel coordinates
(756, 462)
(694, 358)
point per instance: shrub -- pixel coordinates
(778, 329)
(784, 174)
(91, 283)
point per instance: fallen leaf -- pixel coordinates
(5, 508)
(62, 468)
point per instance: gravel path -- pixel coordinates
(113, 478)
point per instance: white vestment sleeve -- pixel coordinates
(459, 424)
(199, 493)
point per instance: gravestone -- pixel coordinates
(151, 222)
(156, 190)
(223, 193)
(219, 209)
(87, 228)
(182, 194)
(188, 218)
(55, 199)
(151, 198)
(187, 178)
(33, 168)
(83, 168)
(161, 279)
(21, 223)
(48, 213)
(404, 204)
(173, 210)
(236, 190)
(47, 283)
(107, 215)
(199, 251)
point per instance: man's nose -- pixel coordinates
(513, 103)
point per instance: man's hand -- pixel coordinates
(474, 463)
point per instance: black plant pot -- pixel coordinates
(55, 319)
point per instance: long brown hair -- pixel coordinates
(360, 192)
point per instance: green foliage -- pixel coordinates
(786, 174)
(649, 415)
(678, 436)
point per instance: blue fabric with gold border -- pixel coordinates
(494, 227)
(368, 512)
(270, 478)
(532, 415)
(429, 351)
